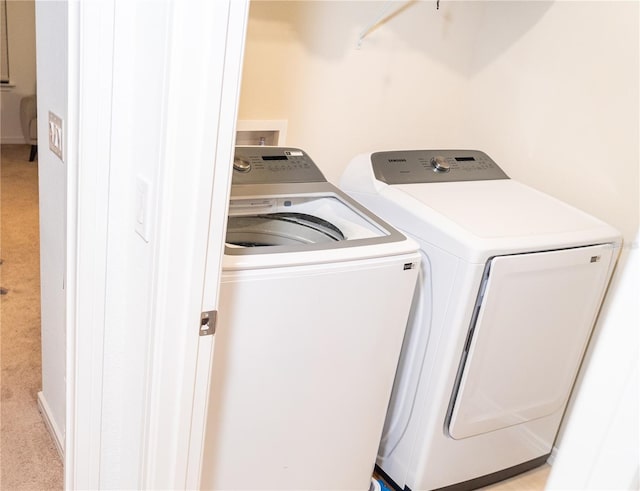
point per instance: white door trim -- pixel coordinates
(225, 143)
(206, 46)
(90, 70)
(204, 60)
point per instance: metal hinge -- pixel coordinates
(208, 322)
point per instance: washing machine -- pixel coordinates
(510, 286)
(314, 299)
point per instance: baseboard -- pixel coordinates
(11, 140)
(554, 454)
(51, 425)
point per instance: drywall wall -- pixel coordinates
(121, 75)
(52, 61)
(400, 88)
(558, 107)
(138, 72)
(139, 55)
(22, 65)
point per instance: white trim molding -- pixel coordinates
(192, 187)
(13, 140)
(90, 38)
(554, 455)
(52, 427)
(200, 61)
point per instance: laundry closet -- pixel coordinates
(537, 85)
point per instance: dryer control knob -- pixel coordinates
(440, 164)
(241, 165)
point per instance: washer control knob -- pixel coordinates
(241, 165)
(440, 164)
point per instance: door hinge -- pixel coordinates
(208, 322)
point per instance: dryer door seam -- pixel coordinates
(467, 344)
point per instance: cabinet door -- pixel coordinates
(531, 331)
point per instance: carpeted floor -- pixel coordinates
(28, 456)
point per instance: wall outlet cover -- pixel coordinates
(55, 135)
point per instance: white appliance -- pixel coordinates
(512, 281)
(315, 296)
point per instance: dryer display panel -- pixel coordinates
(523, 352)
(423, 166)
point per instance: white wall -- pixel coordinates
(52, 61)
(146, 90)
(22, 59)
(401, 88)
(558, 106)
(138, 77)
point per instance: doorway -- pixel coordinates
(30, 457)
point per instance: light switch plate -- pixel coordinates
(55, 135)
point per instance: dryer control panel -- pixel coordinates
(272, 165)
(422, 166)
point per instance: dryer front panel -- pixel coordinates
(533, 323)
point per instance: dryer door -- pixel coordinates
(531, 332)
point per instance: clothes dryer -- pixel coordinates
(511, 283)
(314, 299)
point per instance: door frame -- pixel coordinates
(202, 89)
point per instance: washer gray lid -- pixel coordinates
(280, 229)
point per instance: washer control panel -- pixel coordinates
(420, 166)
(271, 165)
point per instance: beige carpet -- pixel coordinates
(28, 456)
